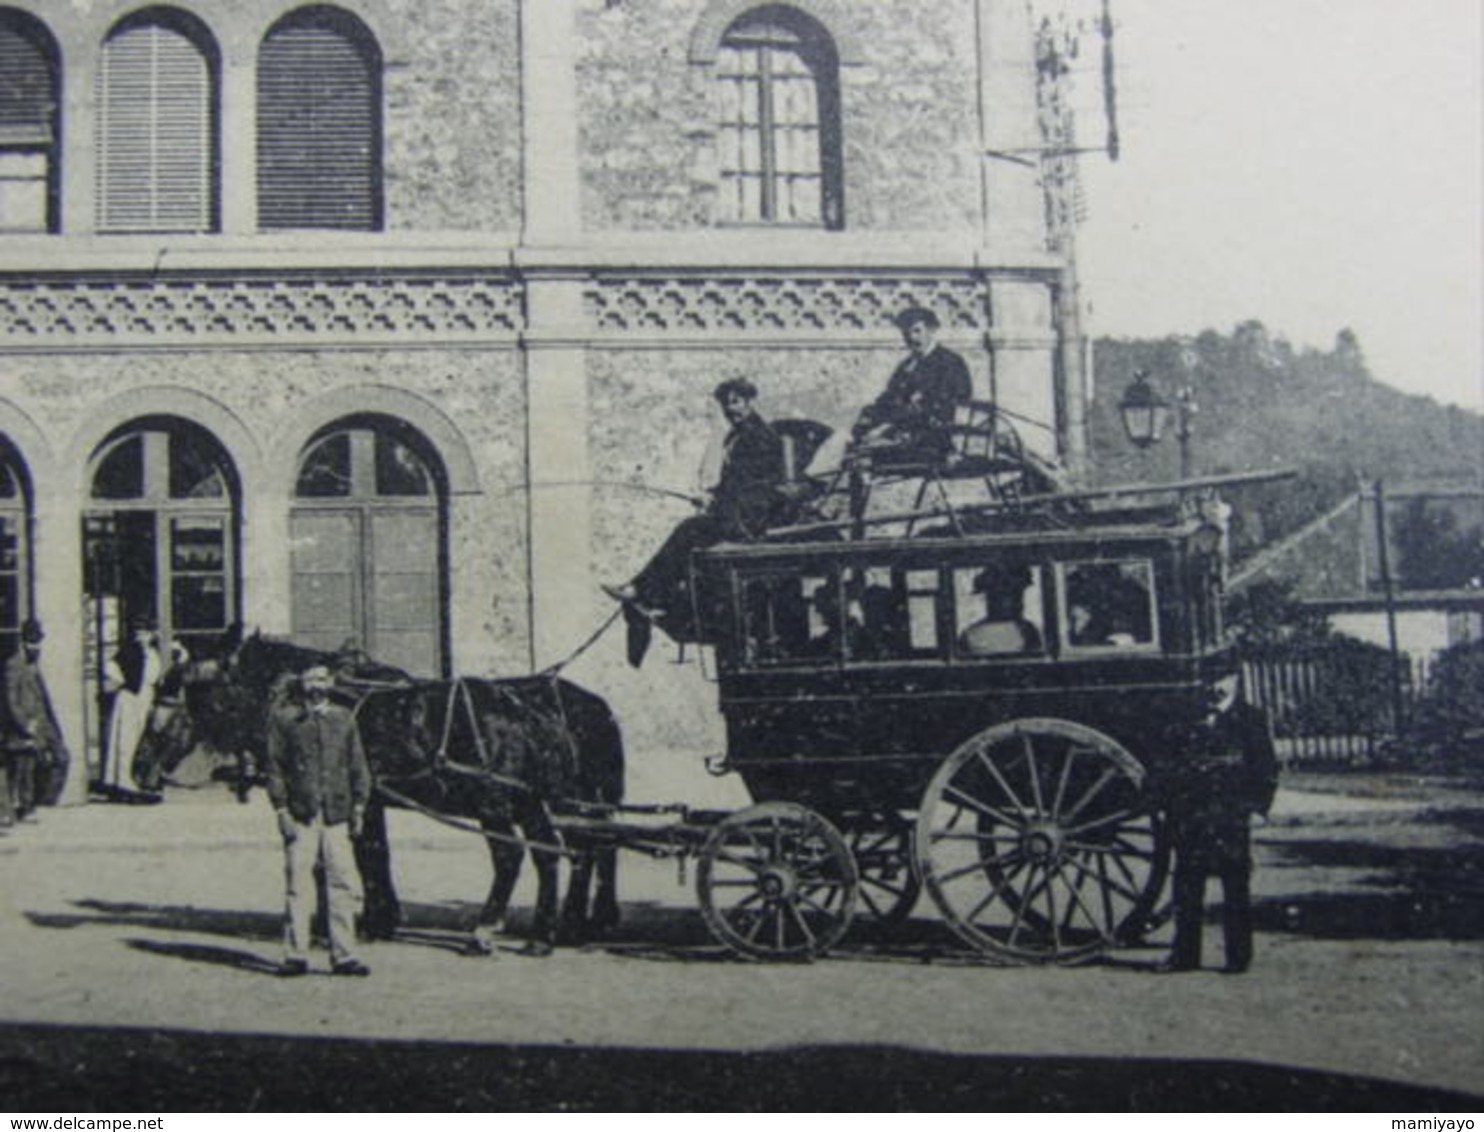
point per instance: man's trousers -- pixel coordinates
(314, 843)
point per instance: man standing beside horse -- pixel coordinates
(319, 784)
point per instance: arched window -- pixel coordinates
(367, 531)
(158, 110)
(15, 555)
(779, 132)
(319, 123)
(30, 125)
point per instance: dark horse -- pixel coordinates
(504, 753)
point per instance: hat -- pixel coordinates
(913, 315)
(996, 579)
(317, 674)
(738, 387)
(31, 631)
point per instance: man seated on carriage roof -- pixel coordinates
(914, 414)
(742, 504)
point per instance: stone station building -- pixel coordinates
(374, 320)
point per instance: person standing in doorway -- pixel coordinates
(1226, 772)
(319, 784)
(130, 675)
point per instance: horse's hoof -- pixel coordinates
(536, 949)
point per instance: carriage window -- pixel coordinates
(922, 610)
(1108, 604)
(777, 613)
(998, 610)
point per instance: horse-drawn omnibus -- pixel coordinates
(984, 714)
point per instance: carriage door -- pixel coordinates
(159, 544)
(14, 550)
(367, 545)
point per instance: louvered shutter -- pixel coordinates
(319, 163)
(155, 134)
(27, 140)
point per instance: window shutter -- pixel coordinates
(318, 149)
(27, 139)
(155, 145)
(26, 94)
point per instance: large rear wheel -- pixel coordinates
(1037, 843)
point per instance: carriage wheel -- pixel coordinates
(776, 881)
(1037, 843)
(889, 885)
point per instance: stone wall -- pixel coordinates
(908, 109)
(453, 118)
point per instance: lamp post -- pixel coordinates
(1145, 413)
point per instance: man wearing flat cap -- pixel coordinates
(741, 505)
(914, 414)
(34, 755)
(319, 784)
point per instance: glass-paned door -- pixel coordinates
(367, 539)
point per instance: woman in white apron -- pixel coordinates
(131, 674)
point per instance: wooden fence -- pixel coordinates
(1332, 702)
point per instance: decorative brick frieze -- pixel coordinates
(84, 311)
(646, 304)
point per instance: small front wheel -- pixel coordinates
(776, 881)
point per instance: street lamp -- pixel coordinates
(1145, 414)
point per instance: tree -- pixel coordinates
(1432, 554)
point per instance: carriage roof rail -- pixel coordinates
(1034, 505)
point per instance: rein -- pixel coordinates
(454, 823)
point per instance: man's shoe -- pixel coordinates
(352, 967)
(1235, 969)
(1171, 967)
(292, 968)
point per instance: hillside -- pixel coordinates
(1263, 404)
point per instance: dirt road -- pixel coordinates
(164, 920)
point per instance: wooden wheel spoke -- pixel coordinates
(753, 867)
(995, 890)
(1063, 780)
(803, 924)
(976, 836)
(1074, 890)
(1105, 889)
(1028, 749)
(1105, 880)
(1098, 786)
(1098, 823)
(1051, 916)
(1021, 907)
(970, 802)
(1116, 849)
(994, 771)
(1008, 859)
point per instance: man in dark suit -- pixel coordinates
(33, 754)
(319, 784)
(742, 504)
(912, 417)
(1225, 772)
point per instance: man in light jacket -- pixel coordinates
(319, 784)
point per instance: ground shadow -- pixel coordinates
(205, 953)
(61, 1068)
(164, 917)
(1402, 892)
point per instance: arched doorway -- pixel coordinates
(15, 547)
(160, 543)
(369, 557)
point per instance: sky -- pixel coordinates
(1313, 164)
